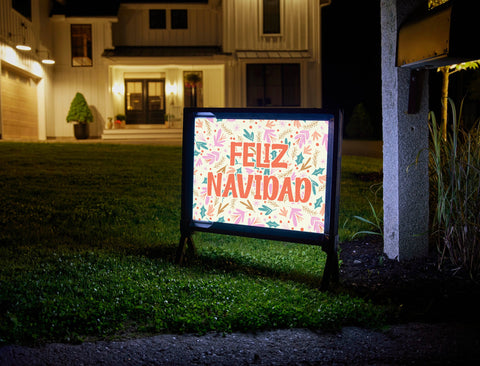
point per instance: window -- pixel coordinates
(273, 85)
(24, 7)
(81, 44)
(158, 19)
(271, 17)
(179, 18)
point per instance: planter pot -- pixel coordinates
(81, 131)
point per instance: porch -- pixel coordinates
(145, 133)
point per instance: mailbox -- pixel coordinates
(443, 36)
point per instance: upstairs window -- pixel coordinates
(179, 18)
(81, 43)
(24, 7)
(158, 19)
(271, 16)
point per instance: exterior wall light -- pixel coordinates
(46, 60)
(22, 45)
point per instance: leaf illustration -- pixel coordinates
(314, 187)
(201, 145)
(268, 135)
(248, 205)
(299, 159)
(240, 216)
(295, 214)
(318, 171)
(212, 157)
(318, 203)
(247, 135)
(317, 224)
(210, 210)
(221, 208)
(272, 224)
(305, 165)
(219, 139)
(266, 209)
(302, 137)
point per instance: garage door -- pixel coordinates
(19, 105)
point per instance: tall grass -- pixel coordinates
(455, 180)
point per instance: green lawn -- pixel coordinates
(88, 234)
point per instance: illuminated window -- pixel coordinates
(158, 19)
(81, 44)
(273, 85)
(24, 7)
(271, 17)
(179, 18)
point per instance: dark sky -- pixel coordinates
(351, 56)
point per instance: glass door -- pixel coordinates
(145, 101)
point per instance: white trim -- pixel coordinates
(260, 21)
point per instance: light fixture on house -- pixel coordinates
(22, 45)
(47, 60)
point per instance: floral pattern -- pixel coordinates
(268, 173)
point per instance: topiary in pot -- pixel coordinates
(81, 115)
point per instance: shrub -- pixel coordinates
(79, 110)
(455, 182)
(359, 125)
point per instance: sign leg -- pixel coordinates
(331, 273)
(185, 247)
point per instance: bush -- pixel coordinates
(79, 110)
(359, 125)
(455, 182)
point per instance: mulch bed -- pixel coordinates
(420, 290)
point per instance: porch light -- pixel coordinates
(171, 88)
(22, 45)
(46, 60)
(118, 88)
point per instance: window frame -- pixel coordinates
(153, 14)
(173, 25)
(88, 46)
(261, 18)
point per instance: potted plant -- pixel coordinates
(120, 121)
(81, 115)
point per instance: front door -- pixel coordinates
(145, 101)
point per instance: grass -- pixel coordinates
(88, 234)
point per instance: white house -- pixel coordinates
(147, 60)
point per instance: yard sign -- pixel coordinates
(267, 173)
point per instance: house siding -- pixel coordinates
(133, 27)
(233, 26)
(91, 81)
(242, 26)
(37, 34)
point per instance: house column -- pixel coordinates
(405, 183)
